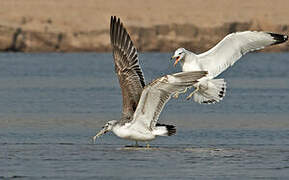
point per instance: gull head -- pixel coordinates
(179, 55)
(106, 128)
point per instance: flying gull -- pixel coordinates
(142, 104)
(219, 58)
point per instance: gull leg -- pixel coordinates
(176, 95)
(136, 144)
(93, 139)
(148, 145)
(190, 96)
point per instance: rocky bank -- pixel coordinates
(164, 38)
(162, 25)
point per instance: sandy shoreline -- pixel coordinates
(74, 25)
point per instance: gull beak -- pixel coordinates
(177, 60)
(103, 131)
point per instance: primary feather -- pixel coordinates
(127, 68)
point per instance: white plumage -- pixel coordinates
(219, 58)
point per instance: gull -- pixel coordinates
(142, 104)
(219, 58)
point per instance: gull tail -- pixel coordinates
(164, 130)
(210, 91)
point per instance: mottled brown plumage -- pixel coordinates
(127, 68)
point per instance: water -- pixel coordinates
(51, 104)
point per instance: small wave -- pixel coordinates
(29, 143)
(13, 177)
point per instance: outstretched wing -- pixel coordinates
(127, 67)
(233, 46)
(156, 94)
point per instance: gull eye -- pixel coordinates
(180, 53)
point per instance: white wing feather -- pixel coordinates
(156, 94)
(231, 48)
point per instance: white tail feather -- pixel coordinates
(210, 91)
(160, 131)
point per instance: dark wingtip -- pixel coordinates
(209, 101)
(279, 38)
(116, 30)
(112, 28)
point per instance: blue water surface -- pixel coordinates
(51, 104)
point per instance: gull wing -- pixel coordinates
(233, 47)
(127, 67)
(156, 94)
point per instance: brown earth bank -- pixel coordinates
(72, 26)
(164, 38)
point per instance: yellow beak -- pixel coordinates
(177, 60)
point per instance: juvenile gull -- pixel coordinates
(219, 58)
(142, 104)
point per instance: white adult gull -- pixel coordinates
(219, 58)
(142, 104)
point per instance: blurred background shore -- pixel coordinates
(80, 26)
